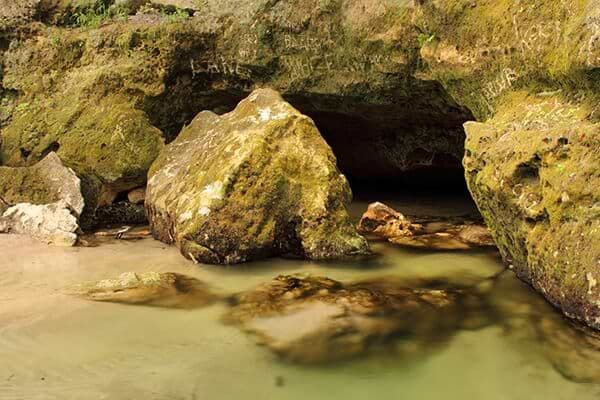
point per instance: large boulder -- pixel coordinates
(256, 182)
(536, 183)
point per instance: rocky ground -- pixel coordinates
(106, 84)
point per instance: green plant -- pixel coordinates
(175, 16)
(23, 107)
(93, 16)
(424, 39)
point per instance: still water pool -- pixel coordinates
(54, 346)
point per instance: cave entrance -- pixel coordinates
(406, 153)
(403, 147)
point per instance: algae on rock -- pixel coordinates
(259, 181)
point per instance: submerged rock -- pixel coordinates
(384, 221)
(573, 350)
(160, 289)
(50, 223)
(438, 234)
(259, 181)
(315, 320)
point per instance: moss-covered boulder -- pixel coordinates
(259, 181)
(536, 182)
(530, 73)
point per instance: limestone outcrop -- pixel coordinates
(259, 181)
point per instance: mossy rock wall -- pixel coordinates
(530, 72)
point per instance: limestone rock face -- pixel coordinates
(160, 289)
(532, 160)
(50, 223)
(259, 181)
(14, 13)
(46, 182)
(536, 184)
(121, 79)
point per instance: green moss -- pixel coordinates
(541, 44)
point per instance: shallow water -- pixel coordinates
(53, 346)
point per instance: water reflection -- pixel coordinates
(407, 324)
(308, 319)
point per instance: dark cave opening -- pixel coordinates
(391, 146)
(402, 153)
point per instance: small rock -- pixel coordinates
(384, 221)
(449, 234)
(137, 196)
(51, 223)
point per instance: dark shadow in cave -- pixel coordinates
(406, 151)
